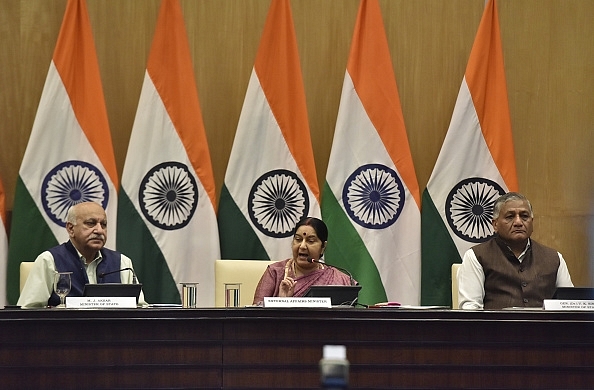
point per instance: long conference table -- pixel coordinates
(257, 348)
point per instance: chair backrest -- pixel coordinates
(455, 268)
(246, 272)
(24, 270)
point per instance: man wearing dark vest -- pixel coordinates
(83, 254)
(510, 269)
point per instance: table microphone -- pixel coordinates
(320, 261)
(134, 280)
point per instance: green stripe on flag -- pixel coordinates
(238, 239)
(29, 236)
(136, 241)
(439, 253)
(347, 250)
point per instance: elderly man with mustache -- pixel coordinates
(510, 269)
(84, 255)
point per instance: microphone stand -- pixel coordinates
(134, 280)
(320, 261)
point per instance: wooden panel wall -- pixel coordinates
(549, 58)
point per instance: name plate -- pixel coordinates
(569, 304)
(296, 302)
(100, 302)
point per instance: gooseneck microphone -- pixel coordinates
(320, 261)
(134, 280)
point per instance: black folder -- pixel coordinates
(574, 293)
(339, 295)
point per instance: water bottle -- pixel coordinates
(334, 367)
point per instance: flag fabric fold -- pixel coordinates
(270, 182)
(167, 209)
(3, 246)
(475, 166)
(69, 157)
(371, 199)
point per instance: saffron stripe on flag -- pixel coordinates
(271, 182)
(167, 211)
(485, 76)
(458, 201)
(371, 198)
(71, 121)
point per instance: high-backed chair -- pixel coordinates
(455, 268)
(24, 270)
(246, 272)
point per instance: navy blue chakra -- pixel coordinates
(69, 183)
(469, 208)
(373, 196)
(277, 201)
(168, 195)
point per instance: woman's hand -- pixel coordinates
(286, 288)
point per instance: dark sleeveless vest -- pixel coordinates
(67, 260)
(509, 283)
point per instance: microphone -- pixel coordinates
(134, 280)
(320, 261)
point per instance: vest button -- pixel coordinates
(524, 284)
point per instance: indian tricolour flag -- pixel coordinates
(270, 183)
(475, 166)
(371, 198)
(69, 158)
(3, 246)
(167, 219)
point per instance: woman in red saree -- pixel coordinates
(293, 277)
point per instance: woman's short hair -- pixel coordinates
(317, 224)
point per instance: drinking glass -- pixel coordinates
(232, 298)
(62, 285)
(189, 294)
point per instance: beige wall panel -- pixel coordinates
(549, 59)
(9, 91)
